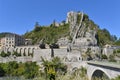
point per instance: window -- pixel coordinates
(10, 42)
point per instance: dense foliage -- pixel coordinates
(104, 37)
(3, 54)
(15, 54)
(3, 34)
(48, 34)
(117, 78)
(103, 56)
(28, 70)
(117, 42)
(53, 68)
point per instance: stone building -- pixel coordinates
(28, 41)
(2, 42)
(12, 40)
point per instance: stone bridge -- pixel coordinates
(103, 69)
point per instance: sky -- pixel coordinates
(20, 16)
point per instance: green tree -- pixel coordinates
(31, 70)
(37, 27)
(16, 54)
(2, 72)
(8, 53)
(112, 58)
(104, 56)
(83, 72)
(3, 54)
(20, 69)
(51, 68)
(117, 42)
(103, 37)
(12, 68)
(88, 54)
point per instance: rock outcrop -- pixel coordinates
(80, 31)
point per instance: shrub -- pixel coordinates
(2, 72)
(104, 56)
(54, 45)
(42, 46)
(112, 58)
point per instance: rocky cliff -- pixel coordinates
(82, 30)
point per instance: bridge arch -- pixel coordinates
(24, 54)
(29, 51)
(99, 73)
(107, 69)
(16, 49)
(8, 49)
(33, 50)
(74, 69)
(20, 50)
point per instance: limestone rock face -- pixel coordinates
(80, 31)
(83, 33)
(63, 41)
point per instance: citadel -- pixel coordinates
(82, 47)
(83, 39)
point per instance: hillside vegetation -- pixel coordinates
(3, 34)
(48, 34)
